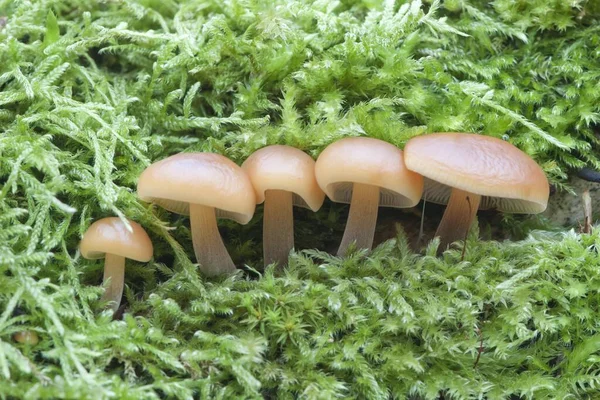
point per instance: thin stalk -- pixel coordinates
(362, 218)
(458, 217)
(421, 229)
(278, 227)
(208, 244)
(114, 269)
(464, 250)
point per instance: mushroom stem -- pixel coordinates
(208, 244)
(458, 217)
(114, 269)
(362, 218)
(278, 227)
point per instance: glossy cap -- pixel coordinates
(199, 178)
(507, 178)
(26, 337)
(110, 235)
(369, 161)
(285, 168)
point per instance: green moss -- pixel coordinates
(510, 319)
(92, 92)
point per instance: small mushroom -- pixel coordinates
(282, 176)
(367, 173)
(470, 172)
(204, 186)
(26, 337)
(110, 239)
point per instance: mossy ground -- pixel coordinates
(91, 92)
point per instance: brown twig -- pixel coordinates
(587, 212)
(421, 230)
(480, 350)
(464, 250)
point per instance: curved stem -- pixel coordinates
(278, 227)
(114, 269)
(362, 218)
(458, 217)
(208, 244)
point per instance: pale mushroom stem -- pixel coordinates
(114, 269)
(362, 218)
(278, 227)
(208, 244)
(458, 217)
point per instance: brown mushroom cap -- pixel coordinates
(506, 178)
(199, 178)
(110, 235)
(26, 337)
(285, 168)
(368, 161)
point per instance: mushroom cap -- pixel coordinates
(199, 178)
(286, 168)
(110, 235)
(372, 162)
(506, 178)
(26, 337)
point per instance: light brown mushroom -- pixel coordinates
(26, 337)
(109, 238)
(470, 172)
(204, 186)
(367, 173)
(282, 177)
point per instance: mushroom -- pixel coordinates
(470, 172)
(26, 337)
(109, 238)
(204, 186)
(367, 173)
(282, 177)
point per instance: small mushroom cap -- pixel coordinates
(285, 168)
(199, 178)
(372, 162)
(506, 178)
(110, 235)
(26, 337)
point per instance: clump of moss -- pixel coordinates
(92, 92)
(510, 319)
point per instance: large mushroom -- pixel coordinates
(204, 186)
(470, 172)
(109, 238)
(282, 177)
(367, 173)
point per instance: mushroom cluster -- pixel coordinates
(467, 172)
